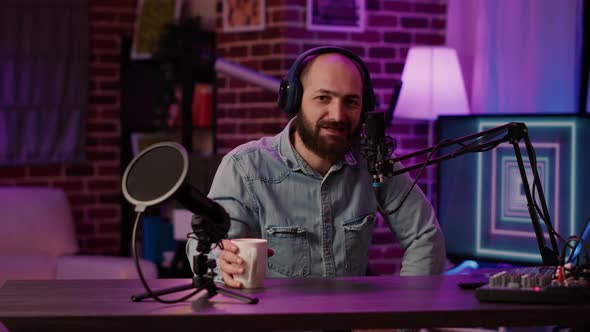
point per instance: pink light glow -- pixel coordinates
(432, 84)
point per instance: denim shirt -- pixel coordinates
(320, 225)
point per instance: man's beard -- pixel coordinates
(331, 149)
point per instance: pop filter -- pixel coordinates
(160, 172)
(155, 175)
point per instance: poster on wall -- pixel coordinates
(152, 17)
(336, 15)
(243, 15)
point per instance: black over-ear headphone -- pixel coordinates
(291, 90)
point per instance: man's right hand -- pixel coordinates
(230, 264)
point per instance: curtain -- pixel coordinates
(43, 81)
(519, 56)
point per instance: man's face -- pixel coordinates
(331, 105)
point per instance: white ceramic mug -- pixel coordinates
(254, 253)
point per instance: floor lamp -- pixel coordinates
(432, 86)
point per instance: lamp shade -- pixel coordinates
(432, 84)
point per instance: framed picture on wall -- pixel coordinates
(336, 15)
(244, 15)
(152, 17)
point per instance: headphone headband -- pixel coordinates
(291, 90)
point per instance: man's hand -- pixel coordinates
(231, 264)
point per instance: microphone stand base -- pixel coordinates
(199, 284)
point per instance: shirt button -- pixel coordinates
(326, 252)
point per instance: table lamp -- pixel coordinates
(432, 86)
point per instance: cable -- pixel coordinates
(542, 216)
(480, 141)
(533, 164)
(424, 164)
(436, 148)
(390, 145)
(572, 238)
(535, 190)
(142, 278)
(575, 249)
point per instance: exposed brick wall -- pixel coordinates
(247, 112)
(93, 187)
(243, 112)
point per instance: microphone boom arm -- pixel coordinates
(512, 133)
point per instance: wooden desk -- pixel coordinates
(372, 302)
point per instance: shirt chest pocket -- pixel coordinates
(291, 251)
(357, 239)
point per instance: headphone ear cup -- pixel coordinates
(290, 96)
(297, 95)
(369, 97)
(371, 103)
(283, 99)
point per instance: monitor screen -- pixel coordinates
(482, 206)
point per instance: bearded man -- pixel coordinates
(307, 189)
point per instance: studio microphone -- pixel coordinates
(375, 149)
(159, 173)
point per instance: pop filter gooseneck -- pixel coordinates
(157, 174)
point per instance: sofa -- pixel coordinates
(38, 241)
